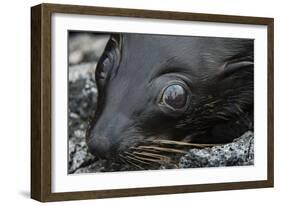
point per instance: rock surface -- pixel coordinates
(239, 152)
(84, 51)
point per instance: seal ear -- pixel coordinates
(110, 59)
(117, 38)
(237, 65)
(114, 43)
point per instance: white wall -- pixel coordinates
(15, 103)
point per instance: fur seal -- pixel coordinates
(179, 88)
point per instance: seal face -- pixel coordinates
(192, 89)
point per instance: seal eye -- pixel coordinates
(174, 96)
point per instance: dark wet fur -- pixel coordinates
(219, 73)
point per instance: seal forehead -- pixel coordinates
(145, 55)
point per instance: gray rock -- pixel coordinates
(78, 156)
(81, 71)
(238, 153)
(86, 47)
(82, 99)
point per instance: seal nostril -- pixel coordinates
(100, 147)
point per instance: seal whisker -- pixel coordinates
(161, 158)
(160, 149)
(135, 158)
(123, 159)
(181, 143)
(134, 164)
(128, 162)
(150, 159)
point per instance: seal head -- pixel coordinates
(193, 89)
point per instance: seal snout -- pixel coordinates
(100, 146)
(103, 139)
(106, 137)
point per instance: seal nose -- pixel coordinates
(104, 137)
(100, 147)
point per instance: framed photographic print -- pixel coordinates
(135, 102)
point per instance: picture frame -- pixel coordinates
(43, 87)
